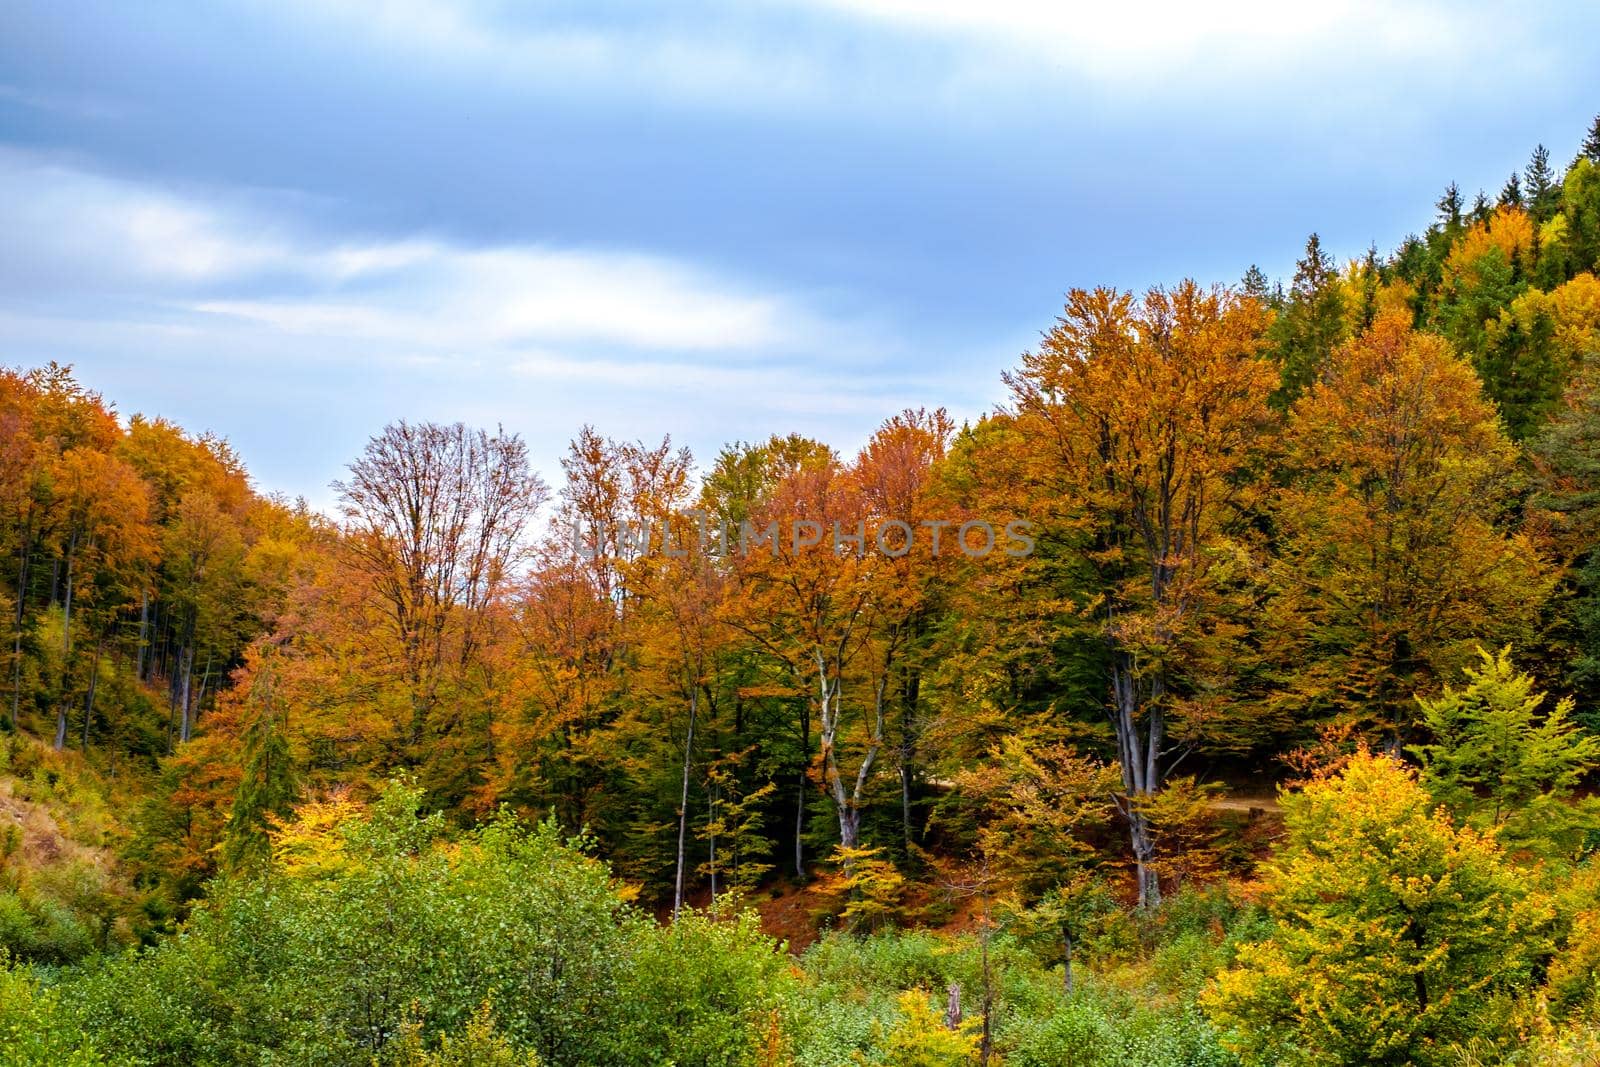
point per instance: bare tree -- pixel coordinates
(436, 517)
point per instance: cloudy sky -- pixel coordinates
(291, 221)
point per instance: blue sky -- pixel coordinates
(291, 222)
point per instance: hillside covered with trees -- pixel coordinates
(1231, 694)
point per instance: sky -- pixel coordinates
(291, 222)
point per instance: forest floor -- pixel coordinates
(31, 835)
(791, 911)
(1247, 804)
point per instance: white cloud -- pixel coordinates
(62, 222)
(230, 311)
(957, 56)
(75, 232)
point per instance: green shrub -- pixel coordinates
(34, 1029)
(332, 967)
(701, 991)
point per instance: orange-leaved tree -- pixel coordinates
(1146, 419)
(1396, 554)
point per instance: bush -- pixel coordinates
(702, 992)
(408, 933)
(34, 1030)
(1098, 1027)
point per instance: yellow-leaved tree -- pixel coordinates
(1397, 936)
(1145, 422)
(1396, 552)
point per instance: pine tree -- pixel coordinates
(267, 787)
(1542, 192)
(1591, 143)
(1449, 208)
(1481, 208)
(1254, 285)
(1312, 325)
(1511, 192)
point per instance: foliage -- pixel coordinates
(34, 1030)
(1229, 523)
(1396, 934)
(1499, 764)
(921, 1038)
(701, 991)
(479, 1045)
(1395, 558)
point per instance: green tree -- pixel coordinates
(1481, 208)
(1591, 143)
(34, 1030)
(1449, 208)
(1580, 199)
(1396, 935)
(336, 961)
(701, 991)
(1311, 326)
(267, 787)
(1511, 192)
(1543, 192)
(1254, 285)
(1501, 765)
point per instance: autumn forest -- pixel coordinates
(1228, 695)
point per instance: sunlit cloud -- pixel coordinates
(69, 228)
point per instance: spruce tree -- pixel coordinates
(267, 786)
(1254, 284)
(1481, 208)
(1591, 143)
(1511, 192)
(1312, 324)
(1371, 279)
(1542, 192)
(1449, 207)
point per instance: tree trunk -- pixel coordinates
(186, 671)
(88, 703)
(847, 804)
(800, 796)
(1066, 968)
(200, 694)
(1137, 754)
(828, 718)
(849, 826)
(144, 632)
(986, 1044)
(683, 802)
(16, 642)
(66, 615)
(908, 746)
(711, 844)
